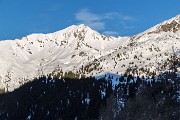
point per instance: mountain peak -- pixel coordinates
(73, 29)
(82, 25)
(82, 50)
(170, 25)
(78, 27)
(177, 18)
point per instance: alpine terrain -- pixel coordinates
(83, 52)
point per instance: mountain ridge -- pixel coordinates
(84, 51)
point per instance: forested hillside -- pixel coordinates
(109, 98)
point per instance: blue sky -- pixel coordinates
(19, 18)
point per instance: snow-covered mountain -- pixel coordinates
(84, 51)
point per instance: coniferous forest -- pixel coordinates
(132, 98)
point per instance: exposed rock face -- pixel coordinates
(174, 26)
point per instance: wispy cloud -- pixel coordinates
(118, 16)
(101, 21)
(93, 20)
(86, 15)
(109, 33)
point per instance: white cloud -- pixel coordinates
(86, 15)
(111, 33)
(116, 15)
(92, 20)
(100, 21)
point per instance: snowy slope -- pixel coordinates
(79, 46)
(39, 54)
(149, 49)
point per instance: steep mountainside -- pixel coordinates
(84, 51)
